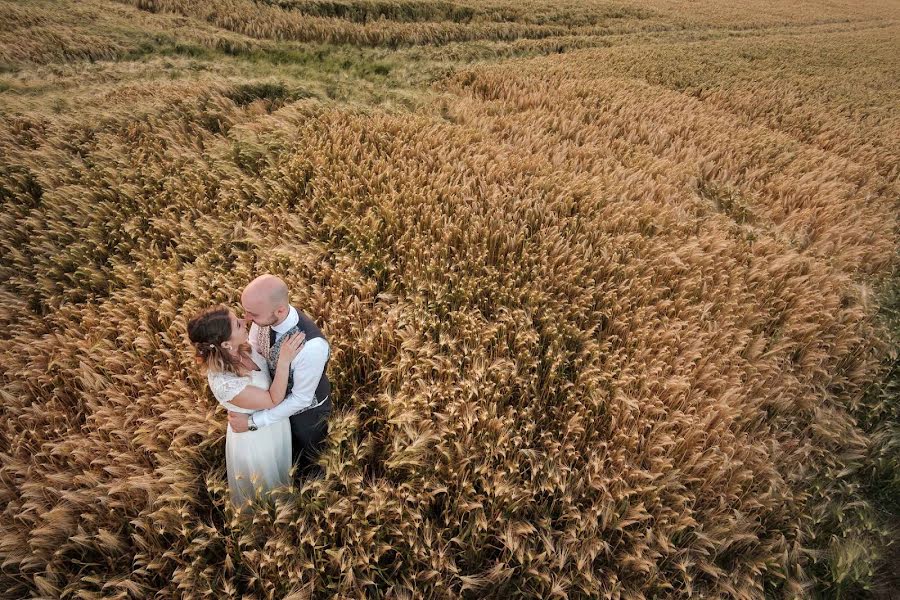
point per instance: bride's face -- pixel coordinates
(239, 333)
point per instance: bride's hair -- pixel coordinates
(207, 331)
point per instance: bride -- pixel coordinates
(238, 376)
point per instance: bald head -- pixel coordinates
(265, 300)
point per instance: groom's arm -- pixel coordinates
(306, 368)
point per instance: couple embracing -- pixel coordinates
(272, 381)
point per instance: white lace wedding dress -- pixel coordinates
(256, 461)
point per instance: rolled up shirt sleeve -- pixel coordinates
(307, 369)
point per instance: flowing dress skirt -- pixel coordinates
(257, 461)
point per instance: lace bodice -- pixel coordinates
(225, 386)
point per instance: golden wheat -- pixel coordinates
(602, 322)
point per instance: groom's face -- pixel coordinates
(260, 313)
(261, 319)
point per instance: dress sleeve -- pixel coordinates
(225, 386)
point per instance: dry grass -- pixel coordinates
(605, 322)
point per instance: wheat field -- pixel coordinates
(610, 286)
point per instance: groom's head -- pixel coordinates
(265, 300)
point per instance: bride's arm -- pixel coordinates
(254, 398)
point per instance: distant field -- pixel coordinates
(611, 289)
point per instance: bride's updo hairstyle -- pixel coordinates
(207, 332)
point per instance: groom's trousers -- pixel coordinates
(309, 428)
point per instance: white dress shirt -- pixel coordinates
(306, 369)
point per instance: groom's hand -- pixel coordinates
(238, 421)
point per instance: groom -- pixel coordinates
(308, 403)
